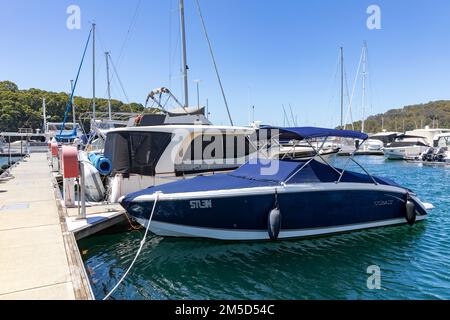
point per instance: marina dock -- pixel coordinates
(39, 257)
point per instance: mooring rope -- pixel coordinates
(138, 252)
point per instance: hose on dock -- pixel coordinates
(139, 250)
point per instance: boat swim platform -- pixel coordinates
(39, 256)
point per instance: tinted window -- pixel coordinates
(136, 152)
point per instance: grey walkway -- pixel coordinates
(36, 261)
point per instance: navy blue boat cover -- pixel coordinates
(301, 133)
(250, 176)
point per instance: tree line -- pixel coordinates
(433, 114)
(24, 109)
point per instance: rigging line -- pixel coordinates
(348, 98)
(354, 88)
(173, 53)
(69, 104)
(170, 44)
(167, 101)
(97, 36)
(103, 50)
(118, 78)
(286, 116)
(214, 61)
(176, 52)
(370, 80)
(330, 90)
(127, 37)
(292, 115)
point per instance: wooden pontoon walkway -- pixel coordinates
(39, 258)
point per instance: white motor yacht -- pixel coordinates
(406, 147)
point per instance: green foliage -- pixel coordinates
(409, 118)
(8, 86)
(23, 108)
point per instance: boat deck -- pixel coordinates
(39, 257)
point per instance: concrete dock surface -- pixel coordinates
(39, 258)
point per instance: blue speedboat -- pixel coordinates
(271, 199)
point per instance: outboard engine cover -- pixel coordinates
(274, 223)
(410, 211)
(428, 155)
(440, 155)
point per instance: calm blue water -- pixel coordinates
(414, 262)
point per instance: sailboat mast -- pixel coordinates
(364, 87)
(108, 84)
(342, 87)
(183, 54)
(93, 71)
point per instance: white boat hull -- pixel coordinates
(174, 230)
(404, 153)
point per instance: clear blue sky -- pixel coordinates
(269, 52)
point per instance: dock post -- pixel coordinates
(70, 171)
(69, 192)
(82, 193)
(55, 164)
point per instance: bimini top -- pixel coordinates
(304, 133)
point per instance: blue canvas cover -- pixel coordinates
(249, 176)
(67, 135)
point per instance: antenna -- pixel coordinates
(197, 82)
(253, 114)
(108, 84)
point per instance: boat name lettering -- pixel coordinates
(384, 203)
(201, 204)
